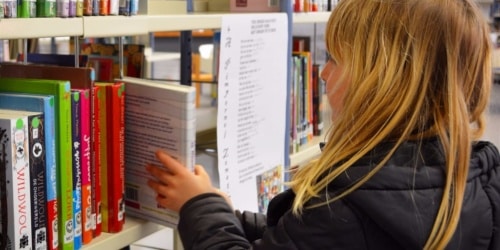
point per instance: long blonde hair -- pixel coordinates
(417, 68)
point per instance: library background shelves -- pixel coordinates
(60, 29)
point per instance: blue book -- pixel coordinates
(45, 104)
(77, 167)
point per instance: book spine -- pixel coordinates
(10, 8)
(96, 166)
(62, 8)
(15, 139)
(317, 98)
(77, 171)
(86, 167)
(95, 7)
(38, 182)
(72, 8)
(79, 7)
(46, 8)
(32, 8)
(87, 7)
(113, 7)
(134, 7)
(124, 7)
(103, 7)
(103, 154)
(65, 172)
(51, 174)
(113, 206)
(23, 8)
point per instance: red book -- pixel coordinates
(86, 149)
(113, 161)
(96, 165)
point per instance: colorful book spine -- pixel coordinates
(86, 145)
(10, 8)
(317, 101)
(113, 7)
(79, 7)
(96, 166)
(103, 7)
(62, 8)
(134, 7)
(45, 104)
(46, 8)
(113, 154)
(15, 196)
(87, 7)
(61, 91)
(77, 168)
(124, 7)
(37, 152)
(95, 7)
(23, 8)
(72, 8)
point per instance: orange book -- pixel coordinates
(113, 162)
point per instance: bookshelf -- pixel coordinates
(116, 26)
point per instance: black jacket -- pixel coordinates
(395, 209)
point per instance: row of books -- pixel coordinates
(67, 8)
(66, 179)
(314, 5)
(306, 96)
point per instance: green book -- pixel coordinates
(45, 8)
(62, 97)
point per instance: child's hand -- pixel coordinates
(175, 184)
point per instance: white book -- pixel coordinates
(15, 176)
(158, 115)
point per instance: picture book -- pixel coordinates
(112, 155)
(86, 148)
(45, 104)
(46, 8)
(158, 115)
(61, 91)
(37, 183)
(77, 167)
(15, 195)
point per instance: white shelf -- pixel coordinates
(17, 28)
(110, 26)
(184, 22)
(311, 17)
(134, 230)
(113, 26)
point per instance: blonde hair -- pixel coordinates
(417, 69)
